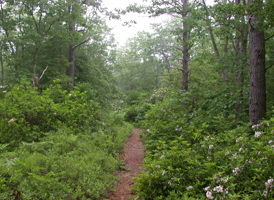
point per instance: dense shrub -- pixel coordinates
(26, 115)
(191, 155)
(136, 113)
(62, 166)
(57, 145)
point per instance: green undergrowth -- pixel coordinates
(192, 154)
(58, 145)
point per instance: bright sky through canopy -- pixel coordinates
(122, 33)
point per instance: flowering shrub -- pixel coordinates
(186, 159)
(27, 115)
(57, 145)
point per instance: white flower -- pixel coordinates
(224, 179)
(270, 141)
(206, 138)
(257, 134)
(11, 120)
(218, 189)
(265, 194)
(236, 170)
(54, 113)
(240, 149)
(148, 130)
(70, 94)
(270, 181)
(164, 172)
(189, 188)
(235, 156)
(238, 139)
(256, 126)
(211, 146)
(4, 91)
(209, 195)
(158, 166)
(272, 146)
(227, 153)
(207, 188)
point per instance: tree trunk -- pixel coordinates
(71, 65)
(257, 100)
(2, 68)
(185, 46)
(35, 76)
(224, 72)
(71, 58)
(241, 47)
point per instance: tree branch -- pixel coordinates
(269, 66)
(269, 37)
(177, 47)
(81, 43)
(43, 73)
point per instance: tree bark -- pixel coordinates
(2, 68)
(35, 76)
(240, 53)
(185, 46)
(71, 58)
(257, 100)
(211, 32)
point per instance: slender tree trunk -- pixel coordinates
(35, 76)
(224, 72)
(241, 47)
(2, 68)
(71, 58)
(257, 100)
(211, 32)
(185, 46)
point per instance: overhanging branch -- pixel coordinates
(43, 73)
(81, 43)
(269, 37)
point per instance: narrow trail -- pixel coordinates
(133, 156)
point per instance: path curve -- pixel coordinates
(133, 156)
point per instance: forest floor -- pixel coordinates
(133, 156)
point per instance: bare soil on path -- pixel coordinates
(133, 156)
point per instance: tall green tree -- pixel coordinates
(257, 103)
(83, 25)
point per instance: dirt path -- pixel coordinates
(134, 158)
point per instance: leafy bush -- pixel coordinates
(191, 155)
(230, 165)
(57, 145)
(27, 115)
(136, 113)
(63, 165)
